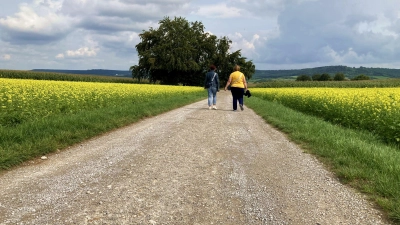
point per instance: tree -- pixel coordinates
(181, 52)
(316, 76)
(138, 73)
(325, 77)
(339, 77)
(361, 77)
(173, 50)
(235, 58)
(303, 78)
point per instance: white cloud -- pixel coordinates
(60, 56)
(121, 15)
(36, 23)
(6, 57)
(273, 33)
(350, 57)
(248, 45)
(218, 11)
(84, 51)
(245, 45)
(332, 32)
(379, 25)
(46, 21)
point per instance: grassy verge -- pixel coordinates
(357, 157)
(36, 138)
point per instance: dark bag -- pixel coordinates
(247, 93)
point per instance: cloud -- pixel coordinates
(28, 26)
(57, 32)
(260, 8)
(218, 11)
(84, 51)
(122, 43)
(121, 15)
(242, 9)
(6, 57)
(331, 32)
(46, 21)
(248, 47)
(60, 56)
(273, 33)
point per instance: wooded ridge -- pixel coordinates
(262, 75)
(349, 72)
(100, 72)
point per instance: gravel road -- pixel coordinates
(188, 166)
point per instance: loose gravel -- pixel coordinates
(191, 165)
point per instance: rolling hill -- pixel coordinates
(264, 75)
(99, 72)
(349, 72)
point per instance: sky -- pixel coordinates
(274, 34)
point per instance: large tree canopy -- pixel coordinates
(181, 52)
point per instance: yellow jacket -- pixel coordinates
(237, 79)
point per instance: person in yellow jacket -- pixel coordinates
(238, 84)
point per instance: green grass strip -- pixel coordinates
(358, 158)
(29, 140)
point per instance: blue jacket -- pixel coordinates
(209, 79)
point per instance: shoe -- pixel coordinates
(209, 107)
(234, 110)
(241, 107)
(214, 107)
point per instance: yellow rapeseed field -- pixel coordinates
(27, 99)
(373, 109)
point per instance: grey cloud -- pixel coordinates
(123, 15)
(122, 43)
(153, 1)
(123, 50)
(354, 19)
(18, 37)
(292, 33)
(395, 27)
(99, 16)
(29, 27)
(260, 8)
(105, 24)
(307, 30)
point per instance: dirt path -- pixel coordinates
(188, 166)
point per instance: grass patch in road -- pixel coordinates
(36, 138)
(358, 158)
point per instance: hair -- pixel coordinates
(212, 67)
(236, 68)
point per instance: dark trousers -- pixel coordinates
(237, 95)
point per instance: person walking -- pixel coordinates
(238, 84)
(211, 83)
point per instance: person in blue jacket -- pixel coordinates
(211, 83)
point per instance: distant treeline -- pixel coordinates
(349, 72)
(98, 72)
(37, 75)
(381, 83)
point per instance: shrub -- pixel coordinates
(339, 77)
(303, 78)
(361, 77)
